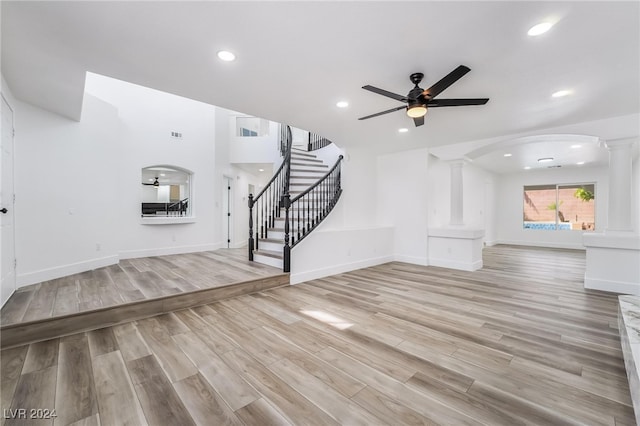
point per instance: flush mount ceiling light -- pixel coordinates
(226, 56)
(576, 146)
(580, 163)
(403, 130)
(561, 93)
(342, 104)
(507, 154)
(527, 167)
(545, 159)
(261, 170)
(540, 28)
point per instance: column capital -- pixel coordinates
(620, 143)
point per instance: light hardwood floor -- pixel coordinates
(518, 342)
(132, 280)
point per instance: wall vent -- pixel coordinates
(176, 135)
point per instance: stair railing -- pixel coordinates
(305, 212)
(267, 204)
(316, 141)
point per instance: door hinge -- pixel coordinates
(228, 241)
(229, 214)
(229, 188)
(15, 263)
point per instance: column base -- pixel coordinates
(456, 248)
(613, 262)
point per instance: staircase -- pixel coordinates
(299, 196)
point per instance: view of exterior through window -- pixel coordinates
(560, 207)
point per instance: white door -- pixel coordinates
(7, 247)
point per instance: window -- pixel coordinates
(560, 207)
(251, 127)
(166, 192)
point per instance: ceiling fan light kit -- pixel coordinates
(419, 100)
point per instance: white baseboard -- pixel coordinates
(23, 280)
(612, 286)
(456, 264)
(415, 260)
(572, 246)
(300, 277)
(240, 244)
(133, 254)
(491, 243)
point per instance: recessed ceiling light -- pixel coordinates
(507, 155)
(261, 170)
(162, 174)
(150, 180)
(580, 163)
(226, 56)
(403, 130)
(527, 167)
(540, 28)
(342, 104)
(545, 160)
(560, 93)
(576, 146)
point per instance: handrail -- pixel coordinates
(307, 210)
(319, 181)
(268, 202)
(315, 141)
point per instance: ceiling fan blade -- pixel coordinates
(447, 81)
(456, 102)
(418, 121)
(385, 93)
(381, 113)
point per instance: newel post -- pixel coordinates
(251, 242)
(287, 248)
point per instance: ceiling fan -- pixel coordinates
(418, 99)
(155, 182)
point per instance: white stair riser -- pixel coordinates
(266, 260)
(308, 173)
(268, 245)
(277, 235)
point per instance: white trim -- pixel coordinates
(64, 270)
(300, 277)
(456, 264)
(167, 220)
(612, 286)
(414, 260)
(573, 246)
(133, 254)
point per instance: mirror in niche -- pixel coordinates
(166, 191)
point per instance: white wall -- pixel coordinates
(510, 205)
(257, 149)
(67, 193)
(402, 202)
(479, 192)
(148, 117)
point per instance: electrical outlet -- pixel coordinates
(176, 135)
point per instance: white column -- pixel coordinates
(456, 193)
(620, 194)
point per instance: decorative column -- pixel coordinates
(457, 206)
(613, 256)
(620, 197)
(456, 246)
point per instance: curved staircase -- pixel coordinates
(299, 196)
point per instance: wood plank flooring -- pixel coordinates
(520, 342)
(132, 280)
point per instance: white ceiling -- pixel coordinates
(295, 60)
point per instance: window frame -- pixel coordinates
(558, 186)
